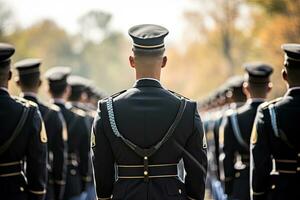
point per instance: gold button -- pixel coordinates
(21, 189)
(145, 158)
(273, 187)
(179, 191)
(145, 173)
(238, 174)
(298, 154)
(298, 169)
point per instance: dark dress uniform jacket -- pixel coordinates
(143, 115)
(284, 181)
(28, 145)
(78, 152)
(236, 148)
(57, 147)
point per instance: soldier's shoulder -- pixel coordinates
(25, 102)
(51, 106)
(78, 111)
(266, 105)
(178, 95)
(112, 96)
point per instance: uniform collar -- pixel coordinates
(255, 100)
(59, 101)
(29, 96)
(147, 82)
(4, 91)
(294, 91)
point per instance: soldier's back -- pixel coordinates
(285, 146)
(78, 152)
(143, 115)
(26, 142)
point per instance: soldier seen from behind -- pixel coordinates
(237, 131)
(23, 141)
(275, 146)
(144, 132)
(78, 136)
(29, 81)
(78, 103)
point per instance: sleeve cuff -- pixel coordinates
(257, 193)
(38, 192)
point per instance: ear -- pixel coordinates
(40, 82)
(9, 75)
(284, 75)
(132, 61)
(164, 62)
(246, 88)
(270, 86)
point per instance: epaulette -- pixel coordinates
(52, 107)
(25, 102)
(178, 95)
(266, 104)
(78, 112)
(113, 95)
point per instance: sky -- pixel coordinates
(126, 13)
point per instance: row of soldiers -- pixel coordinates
(253, 144)
(47, 156)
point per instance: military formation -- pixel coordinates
(147, 142)
(253, 145)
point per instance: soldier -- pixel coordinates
(23, 141)
(275, 136)
(78, 99)
(78, 141)
(236, 131)
(146, 130)
(94, 95)
(29, 81)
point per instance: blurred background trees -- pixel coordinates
(219, 37)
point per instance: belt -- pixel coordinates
(11, 169)
(154, 171)
(287, 166)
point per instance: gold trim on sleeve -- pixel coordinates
(11, 174)
(38, 192)
(10, 163)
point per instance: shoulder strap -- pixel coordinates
(140, 151)
(277, 132)
(237, 131)
(273, 120)
(16, 131)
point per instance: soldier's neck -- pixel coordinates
(148, 75)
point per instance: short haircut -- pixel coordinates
(293, 74)
(148, 53)
(4, 71)
(30, 81)
(75, 94)
(259, 88)
(57, 90)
